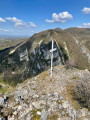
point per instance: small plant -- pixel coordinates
(59, 102)
(53, 117)
(34, 88)
(67, 114)
(75, 77)
(35, 116)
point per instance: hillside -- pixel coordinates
(39, 98)
(31, 57)
(6, 43)
(82, 34)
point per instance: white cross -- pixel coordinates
(51, 51)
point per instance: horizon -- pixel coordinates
(26, 36)
(29, 17)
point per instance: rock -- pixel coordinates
(2, 118)
(63, 113)
(15, 113)
(56, 95)
(44, 115)
(36, 96)
(65, 104)
(1, 101)
(30, 107)
(59, 119)
(19, 107)
(38, 113)
(85, 119)
(82, 112)
(60, 106)
(39, 104)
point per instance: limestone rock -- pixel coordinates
(39, 104)
(44, 115)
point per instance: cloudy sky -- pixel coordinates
(26, 17)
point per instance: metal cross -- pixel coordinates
(51, 51)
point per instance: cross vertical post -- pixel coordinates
(51, 51)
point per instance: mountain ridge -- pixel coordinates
(32, 56)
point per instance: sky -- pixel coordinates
(27, 17)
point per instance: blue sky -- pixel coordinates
(26, 17)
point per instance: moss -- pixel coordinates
(75, 77)
(34, 113)
(67, 115)
(34, 88)
(59, 102)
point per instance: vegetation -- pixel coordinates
(81, 92)
(9, 43)
(70, 64)
(35, 115)
(53, 117)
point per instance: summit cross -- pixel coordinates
(51, 51)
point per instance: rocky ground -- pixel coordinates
(40, 98)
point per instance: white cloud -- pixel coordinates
(60, 18)
(13, 19)
(2, 20)
(5, 30)
(85, 25)
(18, 23)
(32, 24)
(21, 25)
(50, 21)
(86, 10)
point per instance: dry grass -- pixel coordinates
(69, 96)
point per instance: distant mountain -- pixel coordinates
(11, 37)
(32, 56)
(9, 42)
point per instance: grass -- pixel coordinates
(8, 43)
(69, 94)
(53, 117)
(4, 87)
(75, 77)
(3, 90)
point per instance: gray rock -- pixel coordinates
(60, 106)
(39, 104)
(2, 118)
(44, 115)
(1, 101)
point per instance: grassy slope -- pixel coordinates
(61, 36)
(82, 34)
(9, 43)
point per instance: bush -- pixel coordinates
(70, 64)
(82, 92)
